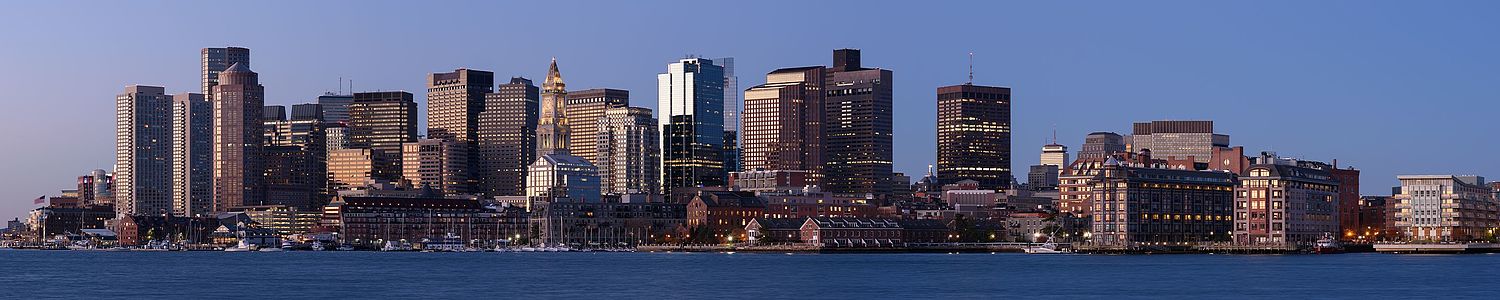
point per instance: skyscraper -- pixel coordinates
(783, 123)
(857, 127)
(238, 169)
(1177, 139)
(273, 113)
(335, 107)
(350, 168)
(507, 137)
(627, 155)
(1099, 145)
(143, 151)
(731, 151)
(192, 155)
(296, 159)
(558, 176)
(584, 110)
(973, 135)
(381, 122)
(454, 101)
(690, 104)
(215, 60)
(307, 111)
(440, 165)
(1055, 154)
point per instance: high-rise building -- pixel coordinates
(143, 151)
(1286, 203)
(439, 165)
(558, 176)
(1055, 154)
(690, 104)
(731, 152)
(215, 60)
(337, 135)
(1099, 145)
(627, 155)
(96, 188)
(858, 127)
(583, 111)
(296, 160)
(454, 100)
(192, 155)
(237, 166)
(1444, 208)
(335, 107)
(1042, 177)
(307, 111)
(273, 113)
(1177, 139)
(973, 135)
(382, 122)
(782, 125)
(507, 137)
(352, 168)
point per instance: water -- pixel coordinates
(340, 275)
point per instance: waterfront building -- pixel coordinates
(1153, 205)
(858, 126)
(604, 225)
(46, 222)
(627, 154)
(1349, 209)
(507, 137)
(1286, 203)
(143, 151)
(973, 135)
(1100, 145)
(690, 103)
(238, 167)
(137, 230)
(382, 122)
(871, 232)
(782, 125)
(192, 154)
(1177, 139)
(215, 60)
(335, 107)
(1372, 220)
(371, 221)
(1444, 208)
(557, 175)
(454, 100)
(439, 165)
(721, 216)
(584, 110)
(284, 219)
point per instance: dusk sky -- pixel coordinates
(1389, 88)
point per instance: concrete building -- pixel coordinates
(143, 151)
(1055, 154)
(353, 168)
(584, 111)
(507, 137)
(1177, 139)
(335, 107)
(973, 135)
(1444, 208)
(772, 181)
(382, 122)
(1042, 177)
(1140, 205)
(439, 165)
(782, 123)
(1099, 145)
(306, 112)
(690, 104)
(627, 154)
(296, 160)
(604, 225)
(372, 221)
(858, 127)
(1286, 203)
(558, 176)
(97, 188)
(192, 155)
(238, 164)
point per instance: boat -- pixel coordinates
(318, 246)
(345, 248)
(1327, 245)
(241, 247)
(1044, 248)
(447, 243)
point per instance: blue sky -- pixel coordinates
(1387, 87)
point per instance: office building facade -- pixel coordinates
(627, 152)
(858, 127)
(690, 104)
(238, 168)
(782, 123)
(143, 151)
(973, 135)
(507, 137)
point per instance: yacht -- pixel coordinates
(241, 247)
(1327, 245)
(1044, 248)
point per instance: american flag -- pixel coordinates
(40, 200)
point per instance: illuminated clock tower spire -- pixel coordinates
(552, 128)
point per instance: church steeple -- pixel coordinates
(552, 128)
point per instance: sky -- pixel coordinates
(1387, 87)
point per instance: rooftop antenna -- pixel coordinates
(971, 68)
(341, 85)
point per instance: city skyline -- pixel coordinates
(1044, 98)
